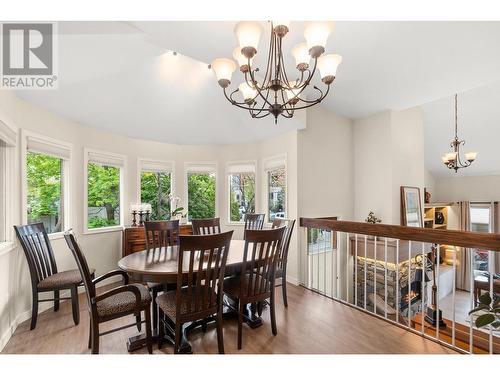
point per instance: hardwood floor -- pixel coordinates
(311, 324)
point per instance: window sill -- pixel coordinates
(236, 223)
(6, 247)
(56, 236)
(103, 230)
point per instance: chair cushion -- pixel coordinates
(122, 302)
(62, 279)
(232, 285)
(167, 302)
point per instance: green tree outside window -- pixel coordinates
(241, 195)
(155, 190)
(103, 195)
(44, 191)
(201, 195)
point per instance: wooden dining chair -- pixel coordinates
(43, 271)
(256, 282)
(201, 266)
(124, 300)
(254, 221)
(160, 234)
(281, 263)
(206, 226)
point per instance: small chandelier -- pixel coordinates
(274, 93)
(452, 159)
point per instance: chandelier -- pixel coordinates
(452, 159)
(273, 93)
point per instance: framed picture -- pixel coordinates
(411, 207)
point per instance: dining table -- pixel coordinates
(161, 266)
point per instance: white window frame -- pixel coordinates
(8, 136)
(123, 173)
(229, 165)
(152, 165)
(201, 167)
(66, 176)
(270, 164)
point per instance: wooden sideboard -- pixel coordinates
(134, 238)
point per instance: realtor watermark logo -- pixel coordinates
(28, 56)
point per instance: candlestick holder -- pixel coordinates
(134, 218)
(141, 221)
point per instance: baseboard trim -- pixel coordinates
(42, 307)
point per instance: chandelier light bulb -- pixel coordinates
(471, 156)
(301, 54)
(316, 34)
(248, 34)
(248, 93)
(242, 60)
(327, 66)
(223, 69)
(281, 28)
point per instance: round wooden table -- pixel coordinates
(161, 266)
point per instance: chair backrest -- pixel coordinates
(161, 233)
(81, 262)
(288, 224)
(204, 257)
(259, 261)
(206, 226)
(38, 251)
(254, 221)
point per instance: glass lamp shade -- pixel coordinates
(301, 54)
(316, 34)
(248, 93)
(450, 156)
(223, 69)
(293, 94)
(445, 159)
(242, 60)
(248, 34)
(327, 66)
(471, 156)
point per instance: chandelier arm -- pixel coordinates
(259, 90)
(285, 107)
(306, 83)
(242, 105)
(314, 102)
(285, 79)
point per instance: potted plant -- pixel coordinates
(176, 211)
(491, 312)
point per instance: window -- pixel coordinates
(241, 181)
(480, 220)
(3, 191)
(8, 140)
(45, 198)
(47, 166)
(104, 174)
(201, 186)
(276, 188)
(156, 186)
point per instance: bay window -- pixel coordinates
(201, 191)
(241, 190)
(275, 169)
(156, 187)
(46, 182)
(104, 190)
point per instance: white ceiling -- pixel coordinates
(478, 125)
(120, 76)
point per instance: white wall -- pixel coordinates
(325, 170)
(372, 167)
(388, 154)
(103, 250)
(467, 188)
